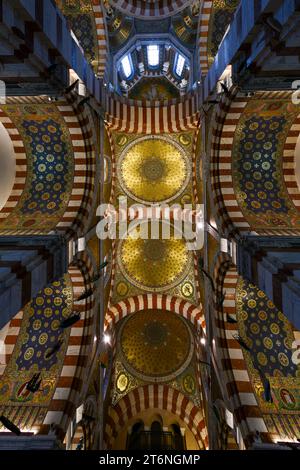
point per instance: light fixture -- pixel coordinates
(229, 418)
(106, 338)
(81, 244)
(203, 341)
(224, 245)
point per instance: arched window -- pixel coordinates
(177, 437)
(179, 64)
(127, 66)
(135, 438)
(153, 55)
(156, 435)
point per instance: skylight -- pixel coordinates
(179, 65)
(153, 55)
(127, 67)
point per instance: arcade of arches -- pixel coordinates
(162, 342)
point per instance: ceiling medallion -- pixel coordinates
(185, 139)
(122, 382)
(156, 345)
(187, 289)
(154, 169)
(122, 289)
(189, 384)
(122, 140)
(154, 264)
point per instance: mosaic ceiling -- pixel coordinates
(156, 345)
(154, 265)
(220, 18)
(50, 167)
(257, 164)
(40, 332)
(80, 15)
(153, 88)
(185, 25)
(269, 335)
(153, 169)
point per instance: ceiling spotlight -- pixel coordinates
(106, 338)
(203, 341)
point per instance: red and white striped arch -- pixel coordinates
(102, 44)
(204, 19)
(77, 359)
(152, 301)
(227, 117)
(237, 385)
(150, 9)
(159, 397)
(8, 338)
(21, 165)
(82, 199)
(114, 167)
(289, 162)
(79, 124)
(153, 118)
(230, 216)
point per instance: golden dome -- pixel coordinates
(154, 265)
(156, 345)
(154, 169)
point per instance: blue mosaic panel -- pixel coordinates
(83, 28)
(257, 159)
(40, 331)
(45, 313)
(256, 167)
(50, 166)
(221, 17)
(266, 331)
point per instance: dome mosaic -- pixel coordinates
(153, 170)
(154, 264)
(156, 345)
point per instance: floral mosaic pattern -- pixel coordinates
(80, 16)
(222, 15)
(269, 335)
(50, 164)
(40, 331)
(50, 168)
(257, 165)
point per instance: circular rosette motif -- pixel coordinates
(154, 264)
(153, 170)
(156, 345)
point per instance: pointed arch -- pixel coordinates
(150, 9)
(137, 303)
(160, 397)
